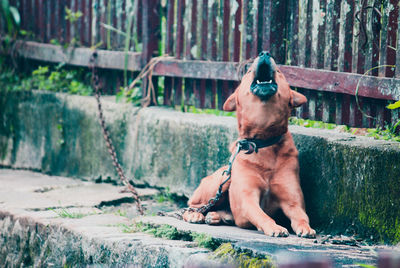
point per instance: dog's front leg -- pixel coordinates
(286, 187)
(245, 206)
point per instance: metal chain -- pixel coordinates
(106, 135)
(240, 145)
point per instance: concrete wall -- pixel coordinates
(350, 183)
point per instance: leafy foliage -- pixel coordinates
(133, 95)
(11, 16)
(56, 79)
(71, 16)
(395, 105)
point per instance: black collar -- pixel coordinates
(252, 145)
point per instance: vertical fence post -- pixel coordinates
(150, 39)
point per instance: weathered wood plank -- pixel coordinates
(322, 80)
(398, 50)
(381, 88)
(391, 37)
(79, 56)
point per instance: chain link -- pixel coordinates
(106, 135)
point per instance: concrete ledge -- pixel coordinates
(350, 183)
(33, 235)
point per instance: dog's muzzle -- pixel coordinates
(264, 85)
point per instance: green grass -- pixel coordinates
(388, 133)
(194, 110)
(64, 213)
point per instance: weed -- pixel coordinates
(64, 213)
(127, 228)
(166, 196)
(121, 213)
(71, 16)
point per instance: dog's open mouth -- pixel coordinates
(264, 85)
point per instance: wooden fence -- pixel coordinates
(323, 47)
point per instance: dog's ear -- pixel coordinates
(297, 99)
(230, 103)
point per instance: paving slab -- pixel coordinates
(31, 234)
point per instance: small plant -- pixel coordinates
(133, 95)
(164, 196)
(121, 213)
(393, 106)
(71, 16)
(127, 228)
(64, 213)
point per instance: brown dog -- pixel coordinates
(263, 180)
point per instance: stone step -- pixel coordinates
(48, 220)
(350, 183)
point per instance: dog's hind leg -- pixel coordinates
(207, 189)
(219, 217)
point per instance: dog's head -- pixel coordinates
(263, 101)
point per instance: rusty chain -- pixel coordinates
(106, 134)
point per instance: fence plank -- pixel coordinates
(349, 33)
(179, 49)
(169, 46)
(392, 37)
(293, 33)
(266, 25)
(398, 50)
(246, 30)
(301, 59)
(206, 95)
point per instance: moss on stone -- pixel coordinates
(169, 232)
(227, 254)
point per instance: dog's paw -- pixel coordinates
(213, 218)
(275, 230)
(304, 230)
(193, 217)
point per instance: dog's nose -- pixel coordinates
(264, 53)
(264, 85)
